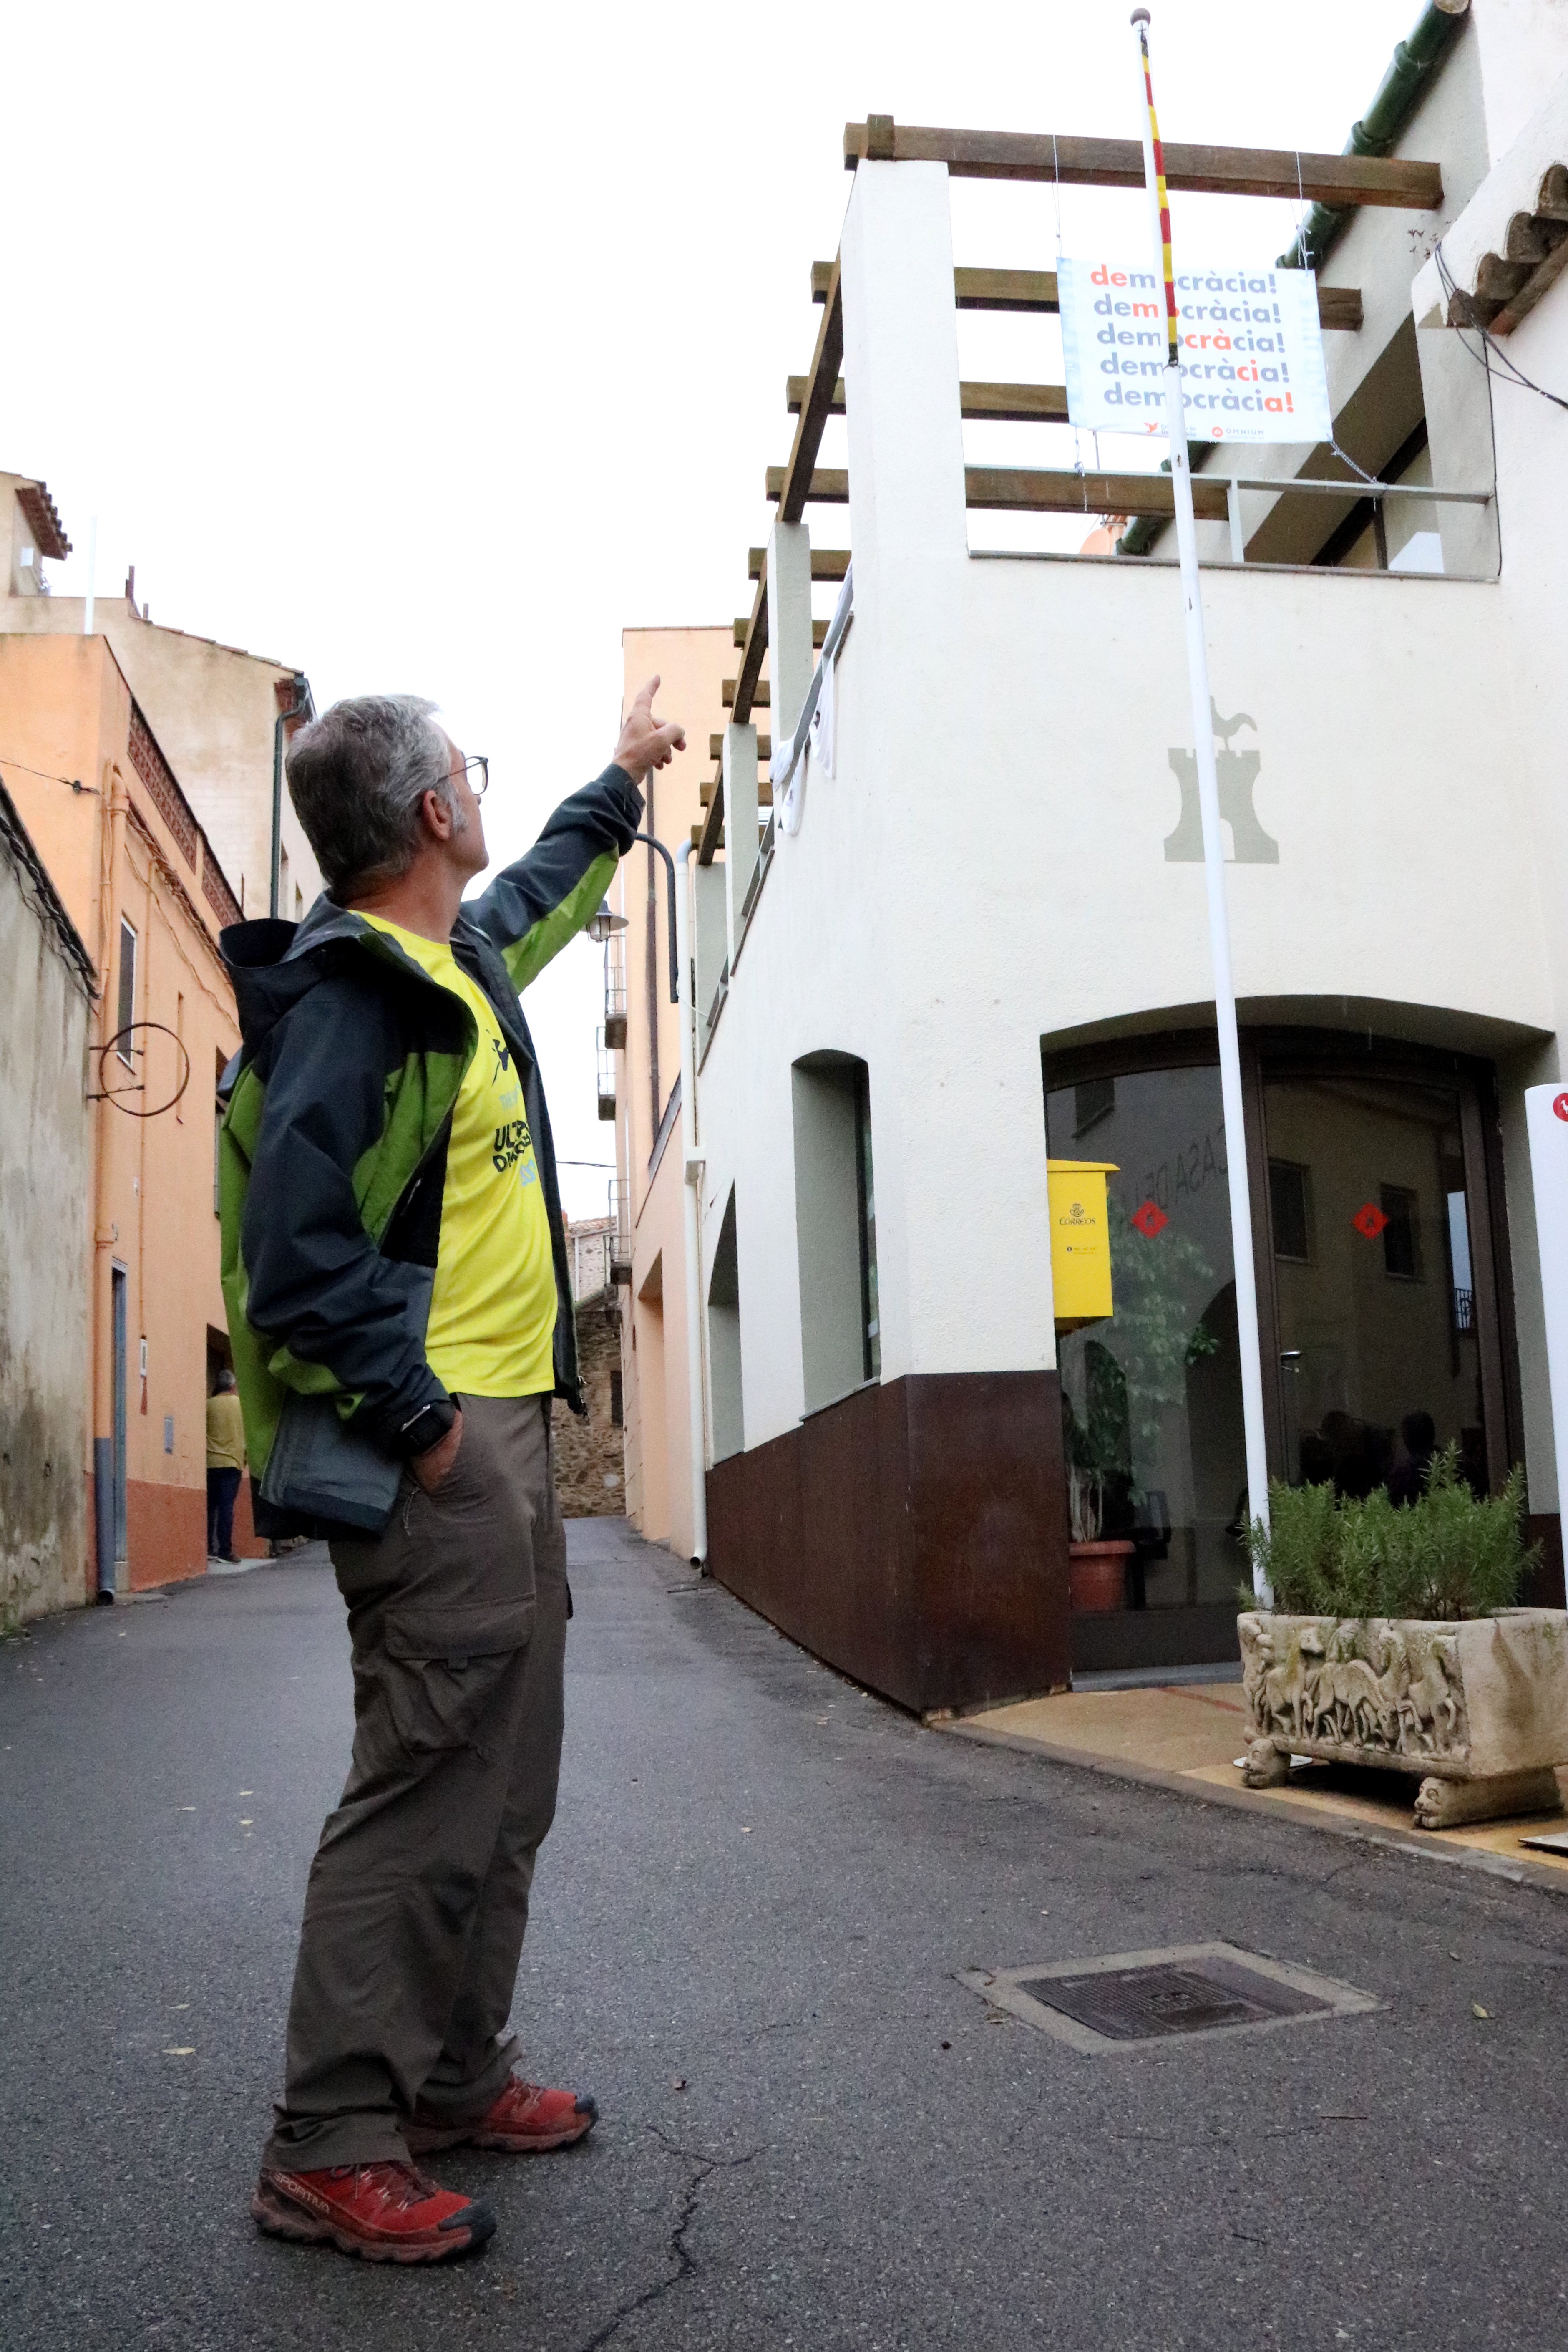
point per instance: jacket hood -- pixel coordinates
(273, 965)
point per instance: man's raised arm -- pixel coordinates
(534, 907)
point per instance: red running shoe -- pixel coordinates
(524, 2121)
(382, 2212)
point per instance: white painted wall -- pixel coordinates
(987, 864)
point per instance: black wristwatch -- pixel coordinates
(427, 1428)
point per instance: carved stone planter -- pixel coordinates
(1479, 1708)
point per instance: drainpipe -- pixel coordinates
(694, 1170)
(112, 804)
(1398, 94)
(284, 719)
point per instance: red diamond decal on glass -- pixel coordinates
(1369, 1220)
(1150, 1220)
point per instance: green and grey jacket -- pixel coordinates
(332, 1162)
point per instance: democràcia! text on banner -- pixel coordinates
(1252, 351)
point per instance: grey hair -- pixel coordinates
(227, 1380)
(357, 776)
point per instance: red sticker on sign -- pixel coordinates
(1150, 1220)
(1369, 1220)
(1560, 1105)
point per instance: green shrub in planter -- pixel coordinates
(1452, 1554)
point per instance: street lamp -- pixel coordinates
(605, 924)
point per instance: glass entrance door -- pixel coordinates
(1378, 1357)
(1152, 1392)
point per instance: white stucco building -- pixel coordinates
(986, 943)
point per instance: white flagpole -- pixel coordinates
(1213, 847)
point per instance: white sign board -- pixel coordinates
(1252, 351)
(1546, 1117)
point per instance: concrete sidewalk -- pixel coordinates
(1191, 1735)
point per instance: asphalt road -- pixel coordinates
(747, 1928)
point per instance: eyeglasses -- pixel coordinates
(477, 770)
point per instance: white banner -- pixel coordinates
(1252, 351)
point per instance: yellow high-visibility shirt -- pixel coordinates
(492, 1313)
(225, 1432)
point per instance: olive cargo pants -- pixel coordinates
(418, 1896)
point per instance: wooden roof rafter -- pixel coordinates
(1018, 404)
(1028, 490)
(1035, 290)
(1341, 181)
(796, 479)
(826, 563)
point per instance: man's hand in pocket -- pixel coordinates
(431, 1467)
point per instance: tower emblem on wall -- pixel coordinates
(1238, 773)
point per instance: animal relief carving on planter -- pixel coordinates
(1478, 1708)
(1348, 1685)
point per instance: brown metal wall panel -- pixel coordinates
(989, 1536)
(913, 1536)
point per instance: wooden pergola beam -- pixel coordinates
(1028, 490)
(822, 375)
(818, 632)
(827, 563)
(709, 836)
(715, 784)
(1020, 404)
(715, 747)
(829, 486)
(1339, 307)
(752, 650)
(760, 697)
(1340, 181)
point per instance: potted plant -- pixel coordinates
(1393, 1640)
(1096, 1450)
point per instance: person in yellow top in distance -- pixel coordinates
(226, 1463)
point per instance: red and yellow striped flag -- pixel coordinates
(1163, 196)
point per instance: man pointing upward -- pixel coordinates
(394, 1266)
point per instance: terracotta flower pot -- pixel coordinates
(1098, 1573)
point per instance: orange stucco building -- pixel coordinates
(140, 881)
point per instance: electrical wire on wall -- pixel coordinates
(46, 776)
(1507, 368)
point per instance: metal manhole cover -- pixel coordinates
(1134, 1999)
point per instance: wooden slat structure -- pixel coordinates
(1028, 490)
(759, 699)
(1340, 181)
(819, 631)
(715, 784)
(753, 646)
(1339, 307)
(1025, 490)
(796, 480)
(1021, 404)
(827, 486)
(764, 748)
(822, 377)
(827, 563)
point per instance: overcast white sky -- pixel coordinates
(428, 349)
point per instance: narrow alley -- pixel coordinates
(749, 1923)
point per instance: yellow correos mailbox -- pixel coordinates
(1080, 1240)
